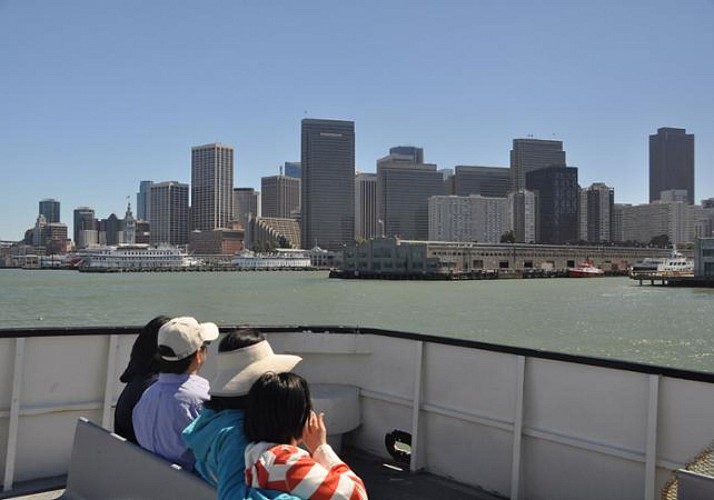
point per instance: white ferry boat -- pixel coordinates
(136, 257)
(677, 264)
(279, 259)
(487, 420)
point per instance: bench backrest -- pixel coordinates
(693, 486)
(106, 466)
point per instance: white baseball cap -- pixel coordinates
(184, 336)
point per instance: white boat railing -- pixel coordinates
(522, 423)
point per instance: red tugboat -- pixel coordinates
(585, 269)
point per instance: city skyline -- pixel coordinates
(84, 128)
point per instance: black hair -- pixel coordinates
(237, 339)
(179, 366)
(278, 408)
(143, 361)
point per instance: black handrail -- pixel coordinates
(615, 364)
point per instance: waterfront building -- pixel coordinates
(143, 232)
(596, 203)
(272, 232)
(280, 196)
(215, 242)
(393, 256)
(467, 218)
(85, 227)
(674, 195)
(366, 221)
(211, 186)
(50, 210)
(143, 200)
(328, 171)
(492, 182)
(128, 234)
(109, 229)
(556, 190)
(704, 257)
(641, 223)
(522, 215)
(403, 192)
(671, 162)
(528, 155)
(293, 169)
(169, 213)
(700, 222)
(246, 204)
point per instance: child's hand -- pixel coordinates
(315, 433)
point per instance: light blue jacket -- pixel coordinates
(218, 443)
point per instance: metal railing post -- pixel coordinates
(414, 464)
(651, 450)
(110, 380)
(518, 428)
(11, 454)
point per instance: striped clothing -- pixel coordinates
(322, 476)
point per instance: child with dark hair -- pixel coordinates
(279, 417)
(140, 374)
(216, 437)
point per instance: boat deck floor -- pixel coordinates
(384, 480)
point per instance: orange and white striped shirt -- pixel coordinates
(282, 467)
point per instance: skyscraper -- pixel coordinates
(522, 215)
(415, 154)
(366, 223)
(143, 200)
(486, 181)
(597, 212)
(671, 162)
(528, 155)
(169, 213)
(246, 204)
(556, 190)
(328, 172)
(50, 208)
(85, 227)
(211, 186)
(293, 169)
(280, 196)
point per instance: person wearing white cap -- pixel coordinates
(177, 397)
(216, 437)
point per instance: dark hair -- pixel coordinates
(237, 339)
(278, 407)
(180, 366)
(143, 361)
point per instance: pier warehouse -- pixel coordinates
(392, 256)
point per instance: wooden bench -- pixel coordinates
(106, 466)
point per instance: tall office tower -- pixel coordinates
(246, 204)
(280, 196)
(467, 218)
(528, 155)
(109, 229)
(493, 182)
(85, 227)
(293, 169)
(522, 215)
(416, 155)
(366, 221)
(595, 213)
(143, 200)
(616, 233)
(671, 162)
(169, 213)
(403, 191)
(328, 189)
(211, 187)
(50, 209)
(556, 190)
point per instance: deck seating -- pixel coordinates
(108, 467)
(694, 486)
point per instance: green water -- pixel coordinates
(609, 317)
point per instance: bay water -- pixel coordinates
(605, 317)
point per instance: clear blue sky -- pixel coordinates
(96, 96)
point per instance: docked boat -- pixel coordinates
(279, 259)
(136, 257)
(585, 269)
(646, 265)
(676, 265)
(513, 422)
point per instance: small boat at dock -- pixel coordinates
(585, 269)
